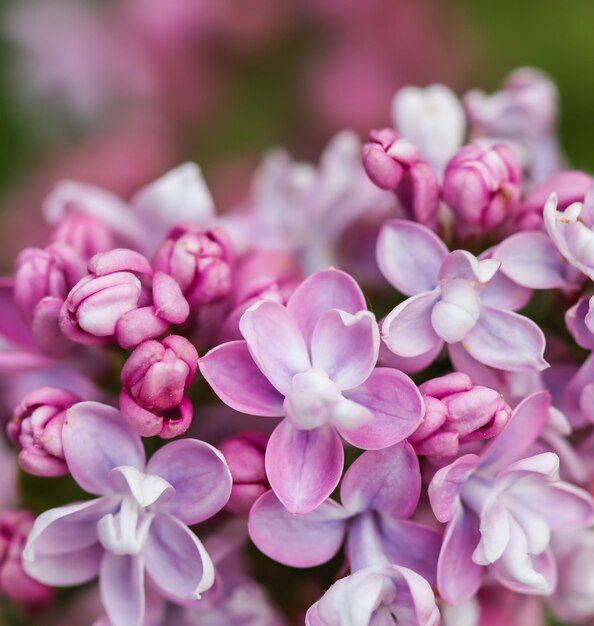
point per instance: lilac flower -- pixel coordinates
(500, 508)
(154, 379)
(112, 302)
(482, 187)
(86, 234)
(36, 428)
(313, 362)
(137, 526)
(456, 299)
(393, 163)
(456, 412)
(433, 119)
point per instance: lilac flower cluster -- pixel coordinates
(382, 363)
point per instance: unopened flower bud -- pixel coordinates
(245, 457)
(154, 379)
(85, 233)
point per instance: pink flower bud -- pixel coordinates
(393, 163)
(245, 457)
(154, 379)
(36, 427)
(456, 412)
(199, 261)
(85, 233)
(482, 187)
(15, 584)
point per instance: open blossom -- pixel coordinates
(394, 163)
(121, 299)
(456, 299)
(500, 508)
(36, 428)
(136, 532)
(456, 412)
(482, 186)
(313, 362)
(154, 379)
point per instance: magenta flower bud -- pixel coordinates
(85, 233)
(15, 584)
(199, 261)
(36, 428)
(456, 412)
(393, 163)
(482, 187)
(154, 379)
(244, 454)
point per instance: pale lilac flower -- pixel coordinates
(572, 231)
(244, 454)
(456, 412)
(137, 528)
(524, 113)
(15, 583)
(456, 299)
(482, 186)
(199, 261)
(394, 163)
(433, 119)
(122, 299)
(500, 508)
(379, 492)
(387, 595)
(36, 428)
(154, 380)
(313, 361)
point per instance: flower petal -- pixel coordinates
(388, 481)
(458, 577)
(321, 292)
(409, 256)
(96, 440)
(297, 540)
(408, 331)
(346, 346)
(233, 374)
(396, 405)
(121, 584)
(176, 560)
(275, 342)
(303, 466)
(199, 474)
(506, 341)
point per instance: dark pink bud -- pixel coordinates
(456, 412)
(154, 379)
(36, 428)
(84, 233)
(482, 187)
(199, 261)
(15, 584)
(245, 457)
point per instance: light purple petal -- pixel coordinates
(408, 331)
(122, 589)
(523, 429)
(176, 560)
(200, 476)
(346, 346)
(577, 320)
(502, 292)
(388, 481)
(397, 408)
(233, 374)
(564, 506)
(410, 365)
(96, 440)
(321, 292)
(506, 341)
(462, 264)
(67, 569)
(458, 577)
(303, 466)
(531, 259)
(297, 540)
(409, 256)
(275, 342)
